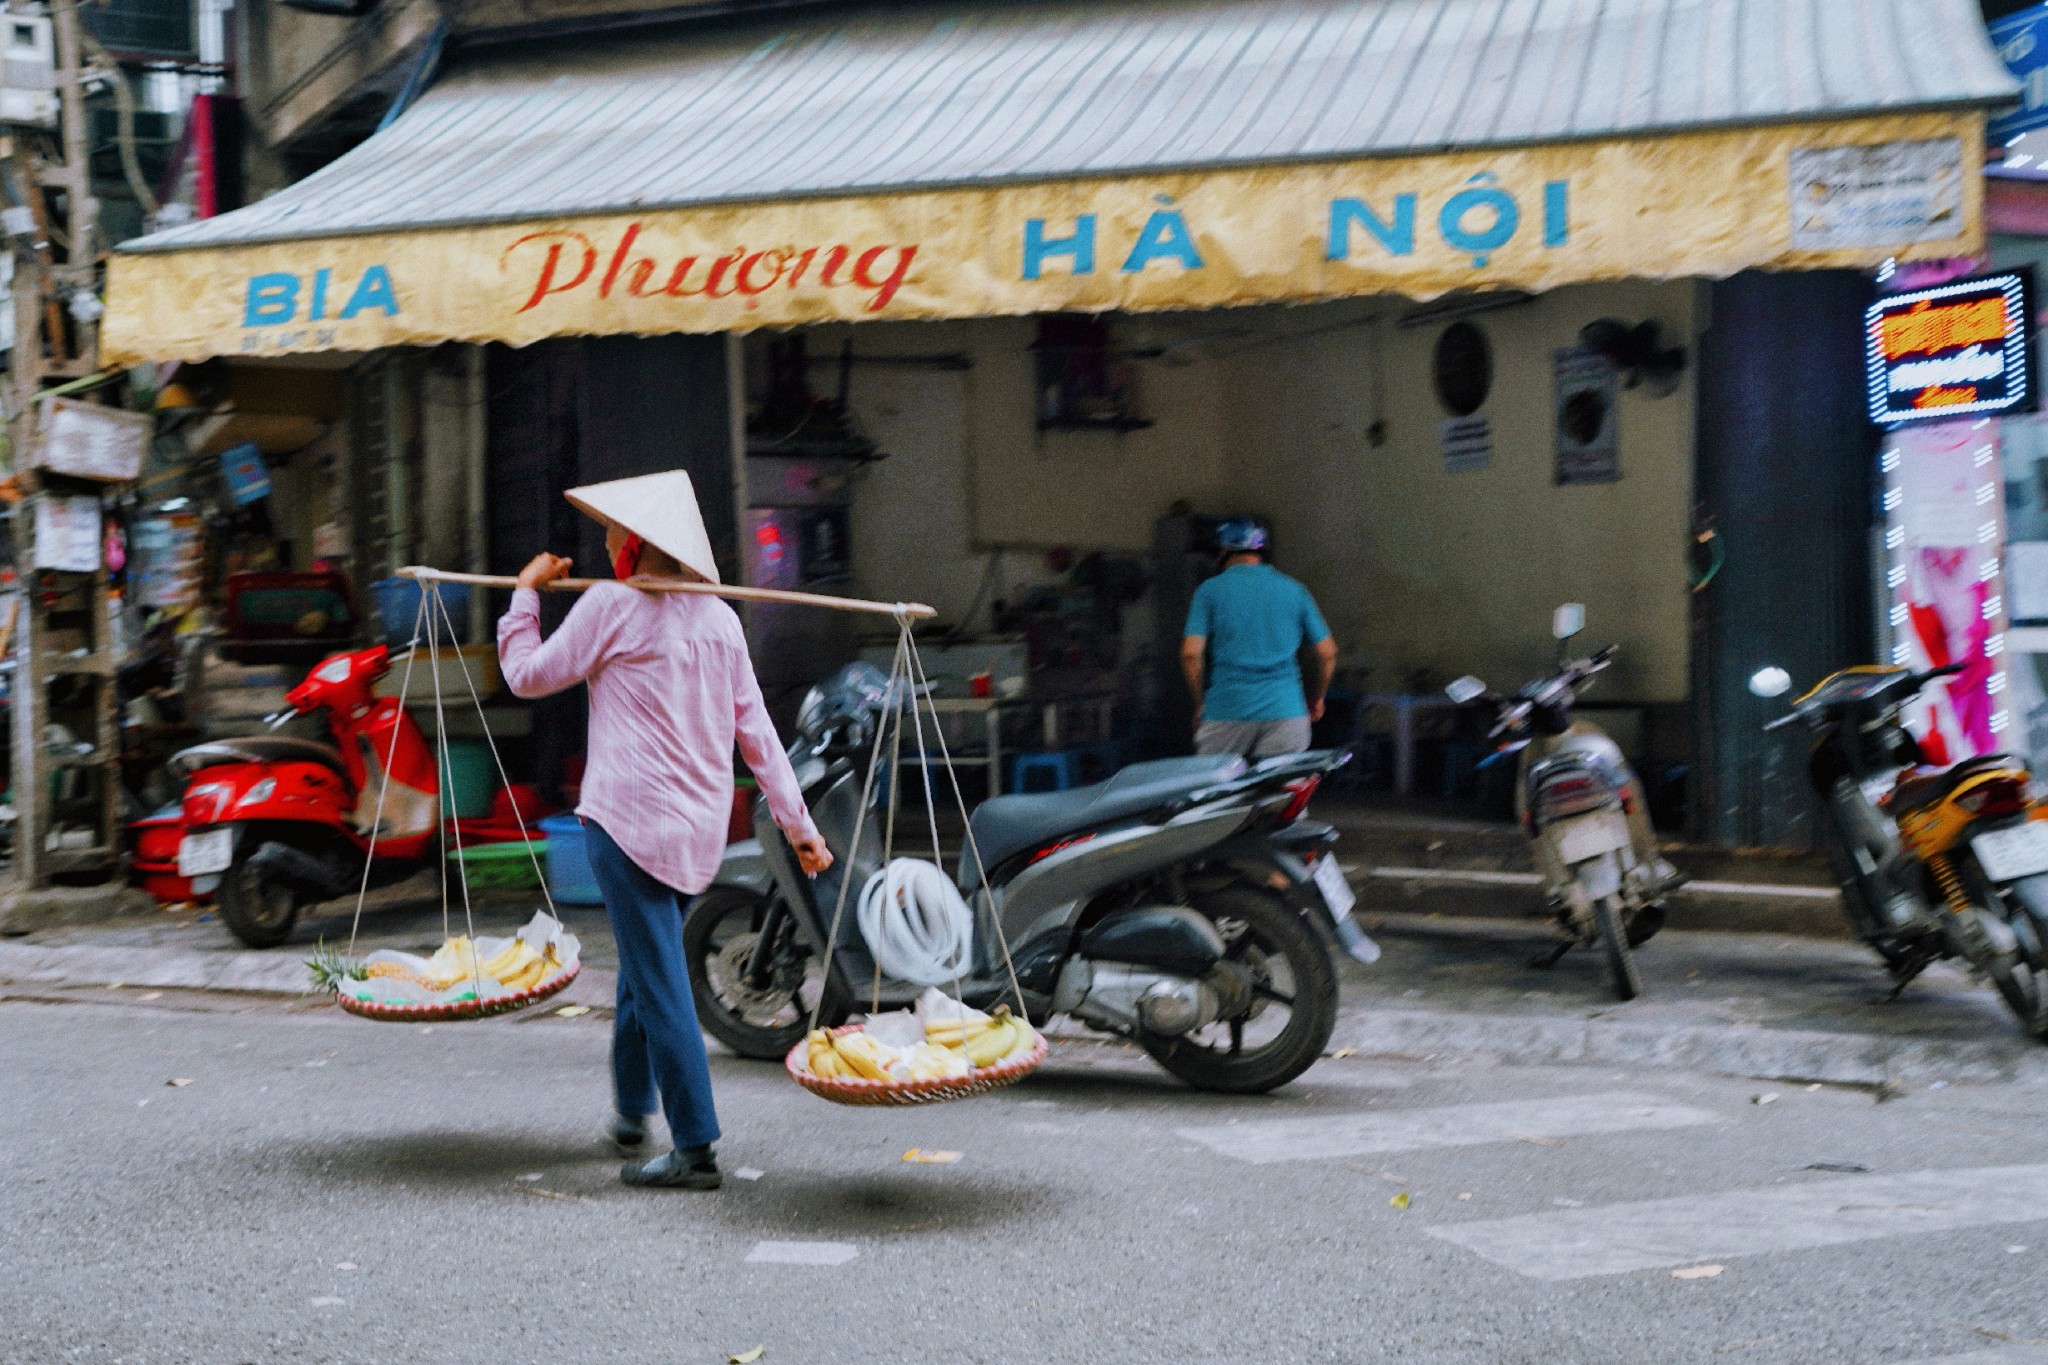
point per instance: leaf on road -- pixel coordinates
(746, 1357)
(179, 1080)
(936, 1156)
(1400, 1201)
(1697, 1272)
(573, 1011)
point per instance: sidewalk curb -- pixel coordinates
(282, 973)
(1758, 1052)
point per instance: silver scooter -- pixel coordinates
(1583, 811)
(1184, 904)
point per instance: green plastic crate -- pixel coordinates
(508, 866)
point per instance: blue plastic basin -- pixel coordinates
(398, 608)
(570, 879)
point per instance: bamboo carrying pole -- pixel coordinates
(917, 611)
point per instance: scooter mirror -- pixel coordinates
(1770, 682)
(1567, 621)
(1467, 688)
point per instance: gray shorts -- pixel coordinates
(1252, 738)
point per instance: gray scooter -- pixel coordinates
(1184, 904)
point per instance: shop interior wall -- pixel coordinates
(1425, 574)
(970, 477)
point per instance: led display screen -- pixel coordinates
(1957, 349)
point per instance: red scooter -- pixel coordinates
(274, 823)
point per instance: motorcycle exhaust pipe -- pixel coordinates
(300, 871)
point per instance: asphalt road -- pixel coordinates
(326, 1189)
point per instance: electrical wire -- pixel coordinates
(124, 107)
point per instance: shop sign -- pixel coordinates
(1957, 349)
(1846, 193)
(2022, 43)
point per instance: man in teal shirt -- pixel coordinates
(1250, 620)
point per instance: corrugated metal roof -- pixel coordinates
(953, 95)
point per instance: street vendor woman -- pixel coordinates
(671, 689)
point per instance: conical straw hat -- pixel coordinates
(661, 509)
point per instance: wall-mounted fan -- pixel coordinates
(1638, 352)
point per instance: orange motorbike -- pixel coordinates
(1933, 863)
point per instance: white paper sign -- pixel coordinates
(68, 533)
(1877, 196)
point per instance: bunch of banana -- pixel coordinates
(824, 1058)
(519, 967)
(865, 1056)
(931, 1062)
(985, 1040)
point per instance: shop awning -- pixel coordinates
(1143, 154)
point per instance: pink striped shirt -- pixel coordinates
(671, 689)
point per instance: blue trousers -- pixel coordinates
(656, 1044)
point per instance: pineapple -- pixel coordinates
(329, 969)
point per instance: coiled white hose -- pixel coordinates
(916, 924)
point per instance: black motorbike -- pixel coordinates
(1932, 863)
(1185, 904)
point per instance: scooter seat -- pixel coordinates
(255, 749)
(1005, 826)
(1914, 791)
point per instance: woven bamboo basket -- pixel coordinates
(859, 1090)
(459, 1009)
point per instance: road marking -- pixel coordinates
(1656, 1233)
(802, 1253)
(1474, 876)
(1263, 1141)
(1997, 1355)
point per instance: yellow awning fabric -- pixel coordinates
(1801, 195)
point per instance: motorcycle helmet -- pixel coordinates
(851, 702)
(1240, 535)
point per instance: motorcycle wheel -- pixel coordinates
(1621, 962)
(257, 910)
(1292, 971)
(2020, 986)
(719, 932)
(2026, 906)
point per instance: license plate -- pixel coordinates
(1337, 892)
(209, 851)
(1589, 836)
(2009, 854)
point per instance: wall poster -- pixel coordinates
(1945, 533)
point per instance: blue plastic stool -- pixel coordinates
(1061, 766)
